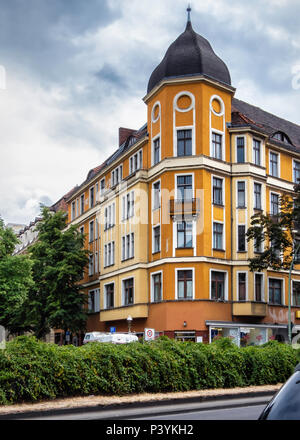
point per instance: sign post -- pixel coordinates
(149, 334)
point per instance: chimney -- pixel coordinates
(124, 133)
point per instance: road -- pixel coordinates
(247, 408)
(251, 412)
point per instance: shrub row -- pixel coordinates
(31, 370)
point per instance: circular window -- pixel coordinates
(217, 106)
(184, 102)
(155, 112)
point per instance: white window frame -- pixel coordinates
(282, 291)
(292, 288)
(263, 293)
(278, 163)
(153, 195)
(91, 238)
(105, 294)
(214, 176)
(177, 269)
(94, 196)
(153, 241)
(181, 175)
(97, 300)
(223, 236)
(236, 149)
(225, 282)
(139, 155)
(277, 194)
(237, 238)
(152, 150)
(255, 139)
(222, 134)
(185, 127)
(152, 285)
(237, 286)
(123, 291)
(293, 165)
(237, 194)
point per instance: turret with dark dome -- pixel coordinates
(190, 55)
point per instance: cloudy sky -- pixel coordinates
(77, 70)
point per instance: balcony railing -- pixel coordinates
(184, 207)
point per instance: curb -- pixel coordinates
(137, 405)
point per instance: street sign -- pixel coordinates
(149, 334)
(112, 329)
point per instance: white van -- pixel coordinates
(114, 338)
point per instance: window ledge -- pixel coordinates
(218, 250)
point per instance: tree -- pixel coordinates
(279, 232)
(15, 283)
(58, 263)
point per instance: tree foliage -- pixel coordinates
(58, 262)
(15, 282)
(279, 233)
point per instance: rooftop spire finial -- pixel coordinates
(189, 12)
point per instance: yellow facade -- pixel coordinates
(186, 266)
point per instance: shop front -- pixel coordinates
(243, 334)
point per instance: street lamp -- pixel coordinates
(129, 321)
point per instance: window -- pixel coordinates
(136, 162)
(274, 164)
(91, 231)
(117, 175)
(156, 287)
(217, 191)
(241, 238)
(274, 204)
(184, 235)
(81, 230)
(82, 204)
(109, 254)
(91, 264)
(128, 206)
(128, 246)
(296, 293)
(218, 285)
(128, 292)
(258, 244)
(258, 281)
(156, 151)
(109, 295)
(109, 216)
(185, 284)
(102, 186)
(92, 199)
(241, 195)
(73, 214)
(94, 301)
(296, 171)
(256, 152)
(240, 150)
(257, 196)
(242, 286)
(156, 239)
(218, 236)
(275, 291)
(184, 187)
(156, 195)
(217, 146)
(184, 142)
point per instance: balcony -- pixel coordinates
(249, 308)
(184, 208)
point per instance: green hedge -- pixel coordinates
(31, 370)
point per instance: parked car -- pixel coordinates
(114, 338)
(285, 405)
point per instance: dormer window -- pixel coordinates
(282, 137)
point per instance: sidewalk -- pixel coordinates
(90, 403)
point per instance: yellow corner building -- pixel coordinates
(165, 216)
